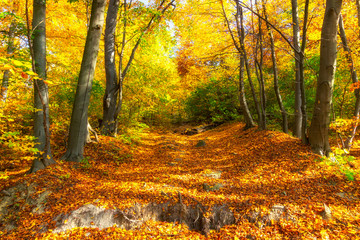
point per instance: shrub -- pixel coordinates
(215, 101)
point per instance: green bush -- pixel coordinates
(215, 101)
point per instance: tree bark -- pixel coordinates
(296, 40)
(41, 97)
(10, 50)
(304, 136)
(354, 78)
(318, 132)
(79, 117)
(247, 67)
(259, 73)
(358, 11)
(112, 101)
(249, 122)
(112, 87)
(275, 70)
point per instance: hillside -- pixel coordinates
(224, 183)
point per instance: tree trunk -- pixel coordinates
(318, 132)
(79, 117)
(249, 122)
(9, 51)
(259, 74)
(304, 137)
(275, 69)
(112, 101)
(354, 78)
(358, 11)
(247, 67)
(296, 40)
(41, 96)
(112, 86)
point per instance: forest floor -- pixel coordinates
(229, 183)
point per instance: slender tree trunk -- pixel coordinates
(304, 137)
(79, 117)
(358, 11)
(41, 97)
(5, 85)
(249, 122)
(9, 51)
(276, 82)
(247, 67)
(112, 86)
(259, 73)
(246, 111)
(296, 40)
(318, 132)
(112, 101)
(354, 78)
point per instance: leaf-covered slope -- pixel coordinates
(252, 172)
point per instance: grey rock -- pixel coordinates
(201, 143)
(193, 216)
(213, 174)
(326, 213)
(277, 213)
(216, 187)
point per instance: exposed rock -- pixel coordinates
(212, 174)
(170, 146)
(191, 132)
(201, 143)
(6, 193)
(15, 198)
(39, 202)
(221, 217)
(347, 196)
(216, 187)
(277, 213)
(86, 216)
(326, 213)
(193, 216)
(200, 129)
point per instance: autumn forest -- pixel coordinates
(179, 119)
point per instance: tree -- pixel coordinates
(259, 69)
(358, 11)
(275, 74)
(79, 118)
(111, 91)
(304, 118)
(348, 142)
(41, 95)
(9, 51)
(247, 65)
(296, 42)
(112, 101)
(241, 35)
(318, 131)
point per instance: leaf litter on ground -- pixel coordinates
(258, 171)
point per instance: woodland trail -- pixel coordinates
(252, 172)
